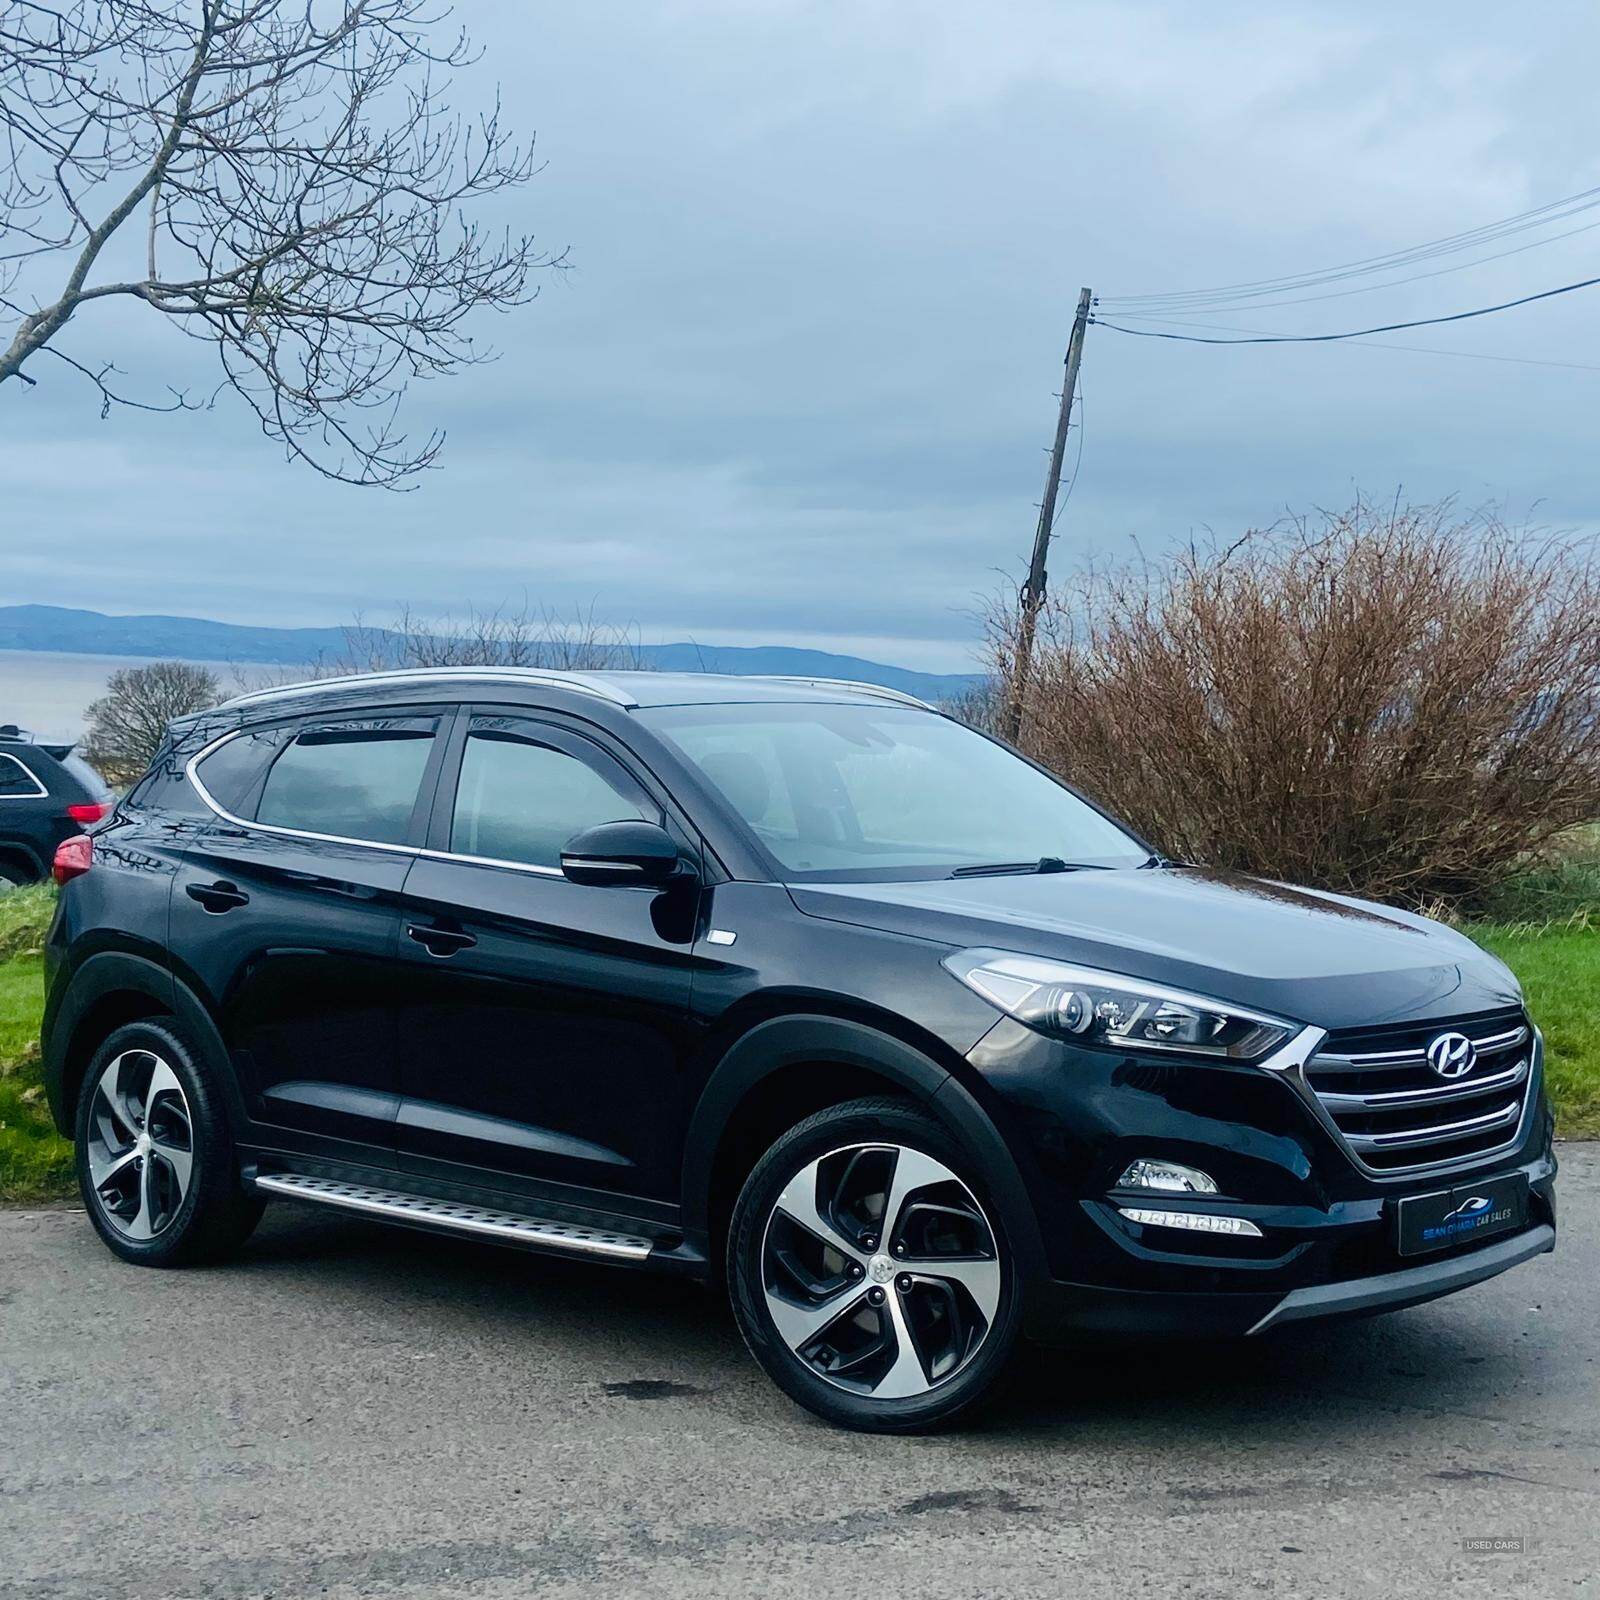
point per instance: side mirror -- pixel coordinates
(622, 855)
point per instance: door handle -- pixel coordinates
(440, 941)
(220, 896)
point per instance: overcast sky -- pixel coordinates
(797, 384)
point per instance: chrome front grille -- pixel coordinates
(1396, 1115)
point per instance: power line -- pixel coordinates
(1384, 344)
(1077, 464)
(1488, 233)
(1354, 333)
(1373, 288)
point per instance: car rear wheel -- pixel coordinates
(156, 1164)
(868, 1271)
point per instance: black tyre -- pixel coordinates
(13, 875)
(869, 1272)
(156, 1163)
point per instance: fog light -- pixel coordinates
(1167, 1176)
(1194, 1221)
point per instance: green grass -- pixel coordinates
(35, 1162)
(1559, 968)
(24, 918)
(1558, 962)
(1544, 923)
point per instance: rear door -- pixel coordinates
(544, 1025)
(286, 912)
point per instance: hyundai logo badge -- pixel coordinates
(1452, 1055)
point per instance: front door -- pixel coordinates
(544, 1025)
(287, 905)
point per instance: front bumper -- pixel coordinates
(1410, 1286)
(1060, 1310)
(1328, 1245)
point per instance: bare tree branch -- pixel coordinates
(307, 188)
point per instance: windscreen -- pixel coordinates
(884, 792)
(91, 780)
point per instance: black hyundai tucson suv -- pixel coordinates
(797, 983)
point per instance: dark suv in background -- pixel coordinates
(798, 983)
(47, 794)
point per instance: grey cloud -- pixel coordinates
(797, 386)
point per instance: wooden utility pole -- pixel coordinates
(1032, 597)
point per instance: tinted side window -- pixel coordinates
(16, 782)
(232, 772)
(166, 787)
(352, 780)
(520, 798)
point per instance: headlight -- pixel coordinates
(1102, 1008)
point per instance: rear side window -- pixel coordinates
(351, 780)
(232, 773)
(16, 781)
(524, 792)
(165, 787)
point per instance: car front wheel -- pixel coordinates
(156, 1164)
(868, 1271)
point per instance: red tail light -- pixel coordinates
(74, 857)
(90, 811)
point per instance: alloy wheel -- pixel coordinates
(880, 1270)
(140, 1144)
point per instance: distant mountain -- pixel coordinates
(199, 639)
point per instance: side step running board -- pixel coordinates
(424, 1211)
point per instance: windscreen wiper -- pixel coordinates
(995, 869)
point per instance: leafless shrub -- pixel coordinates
(526, 637)
(981, 705)
(250, 677)
(1397, 703)
(281, 179)
(126, 724)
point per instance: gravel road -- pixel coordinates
(348, 1410)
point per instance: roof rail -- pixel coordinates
(581, 682)
(861, 688)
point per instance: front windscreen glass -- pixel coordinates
(883, 792)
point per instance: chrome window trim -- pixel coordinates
(39, 790)
(492, 861)
(581, 682)
(413, 850)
